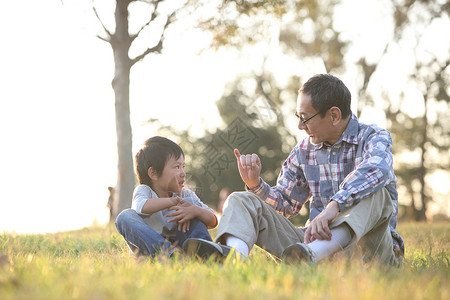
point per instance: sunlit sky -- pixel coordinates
(58, 153)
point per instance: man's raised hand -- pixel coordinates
(249, 166)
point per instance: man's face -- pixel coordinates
(318, 128)
(172, 177)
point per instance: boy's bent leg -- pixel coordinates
(369, 221)
(140, 237)
(254, 222)
(197, 229)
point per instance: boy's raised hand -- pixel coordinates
(249, 166)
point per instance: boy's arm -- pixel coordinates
(206, 216)
(185, 211)
(153, 205)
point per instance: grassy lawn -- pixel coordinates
(94, 263)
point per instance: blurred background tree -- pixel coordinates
(427, 134)
(304, 30)
(421, 140)
(257, 106)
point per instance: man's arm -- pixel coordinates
(318, 228)
(373, 172)
(291, 191)
(370, 175)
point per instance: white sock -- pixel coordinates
(340, 237)
(238, 244)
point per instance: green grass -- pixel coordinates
(94, 263)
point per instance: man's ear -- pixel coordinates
(152, 174)
(335, 115)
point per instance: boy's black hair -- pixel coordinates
(327, 91)
(155, 153)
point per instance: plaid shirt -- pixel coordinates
(357, 166)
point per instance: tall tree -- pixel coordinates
(159, 15)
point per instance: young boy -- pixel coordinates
(163, 213)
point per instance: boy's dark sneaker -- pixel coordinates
(205, 249)
(298, 253)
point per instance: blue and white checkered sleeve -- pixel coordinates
(291, 191)
(373, 172)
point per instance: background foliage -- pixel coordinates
(256, 106)
(259, 101)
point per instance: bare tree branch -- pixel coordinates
(158, 47)
(152, 18)
(108, 33)
(103, 38)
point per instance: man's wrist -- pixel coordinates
(334, 204)
(254, 186)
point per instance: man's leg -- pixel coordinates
(369, 221)
(341, 237)
(141, 238)
(365, 223)
(317, 250)
(249, 219)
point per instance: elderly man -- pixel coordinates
(344, 167)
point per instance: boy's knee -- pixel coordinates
(124, 217)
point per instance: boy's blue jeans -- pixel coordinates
(143, 240)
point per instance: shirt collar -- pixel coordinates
(350, 134)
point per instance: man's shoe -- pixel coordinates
(205, 249)
(298, 253)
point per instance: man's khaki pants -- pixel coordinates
(253, 221)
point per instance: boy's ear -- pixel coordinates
(152, 174)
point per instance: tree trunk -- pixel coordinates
(422, 173)
(120, 43)
(422, 170)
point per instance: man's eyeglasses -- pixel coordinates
(303, 120)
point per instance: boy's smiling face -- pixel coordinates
(171, 179)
